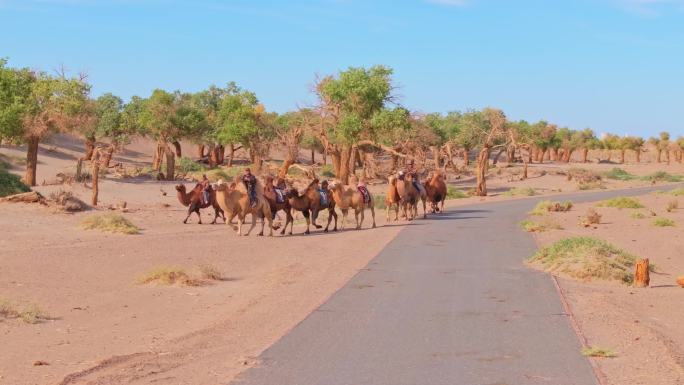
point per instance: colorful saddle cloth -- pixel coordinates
(364, 192)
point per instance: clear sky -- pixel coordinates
(612, 65)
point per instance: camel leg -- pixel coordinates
(254, 219)
(199, 217)
(356, 216)
(396, 213)
(387, 216)
(263, 223)
(241, 220)
(424, 212)
(314, 216)
(188, 217)
(372, 209)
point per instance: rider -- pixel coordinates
(206, 187)
(279, 189)
(413, 173)
(323, 190)
(250, 184)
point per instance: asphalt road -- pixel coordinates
(447, 302)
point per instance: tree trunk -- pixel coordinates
(289, 161)
(220, 154)
(313, 156)
(159, 155)
(466, 158)
(352, 161)
(370, 165)
(498, 154)
(641, 274)
(585, 155)
(177, 147)
(31, 160)
(95, 175)
(213, 158)
(638, 156)
(660, 156)
(257, 162)
(567, 154)
(554, 154)
(482, 164)
(436, 157)
(89, 147)
(325, 157)
(107, 156)
(667, 156)
(231, 154)
(336, 161)
(345, 158)
(170, 164)
(200, 151)
(395, 162)
(510, 154)
(622, 156)
(358, 158)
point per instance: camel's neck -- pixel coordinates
(183, 198)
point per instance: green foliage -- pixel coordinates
(619, 174)
(595, 351)
(662, 176)
(327, 171)
(586, 258)
(187, 165)
(637, 215)
(109, 222)
(622, 203)
(521, 191)
(539, 227)
(216, 174)
(454, 193)
(663, 222)
(544, 207)
(11, 184)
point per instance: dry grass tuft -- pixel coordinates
(521, 191)
(677, 192)
(66, 201)
(592, 217)
(110, 222)
(663, 222)
(637, 215)
(168, 276)
(539, 227)
(622, 203)
(595, 351)
(586, 258)
(544, 207)
(32, 314)
(210, 272)
(671, 206)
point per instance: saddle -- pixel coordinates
(364, 192)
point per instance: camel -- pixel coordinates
(309, 202)
(193, 201)
(436, 191)
(410, 196)
(270, 195)
(347, 197)
(234, 201)
(392, 198)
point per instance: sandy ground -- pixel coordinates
(643, 326)
(149, 334)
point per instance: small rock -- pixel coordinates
(41, 363)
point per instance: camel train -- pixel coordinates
(232, 201)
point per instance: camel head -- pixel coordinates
(180, 188)
(221, 185)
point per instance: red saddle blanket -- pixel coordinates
(364, 192)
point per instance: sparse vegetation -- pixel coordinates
(663, 222)
(327, 171)
(637, 215)
(594, 185)
(662, 176)
(168, 276)
(187, 165)
(671, 206)
(543, 207)
(586, 258)
(379, 201)
(11, 184)
(595, 351)
(538, 227)
(216, 174)
(521, 191)
(67, 201)
(677, 192)
(454, 193)
(620, 174)
(210, 272)
(592, 217)
(32, 314)
(109, 222)
(622, 203)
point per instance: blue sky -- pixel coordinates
(612, 65)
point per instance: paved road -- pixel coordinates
(447, 302)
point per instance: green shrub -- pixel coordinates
(11, 184)
(586, 258)
(539, 227)
(454, 193)
(543, 207)
(619, 174)
(594, 351)
(677, 192)
(663, 222)
(592, 185)
(637, 215)
(622, 203)
(521, 191)
(109, 222)
(186, 165)
(327, 171)
(662, 176)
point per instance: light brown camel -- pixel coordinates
(436, 190)
(349, 197)
(270, 195)
(234, 200)
(392, 198)
(193, 201)
(309, 203)
(410, 196)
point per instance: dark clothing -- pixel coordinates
(325, 201)
(250, 184)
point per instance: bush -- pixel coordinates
(110, 222)
(210, 272)
(539, 227)
(327, 171)
(663, 222)
(11, 184)
(594, 351)
(622, 203)
(662, 176)
(671, 206)
(637, 215)
(33, 314)
(67, 201)
(544, 207)
(586, 258)
(619, 174)
(677, 192)
(521, 191)
(454, 193)
(186, 165)
(168, 276)
(215, 174)
(595, 185)
(592, 217)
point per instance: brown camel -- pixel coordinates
(193, 201)
(392, 198)
(270, 195)
(436, 190)
(410, 195)
(235, 202)
(309, 203)
(347, 197)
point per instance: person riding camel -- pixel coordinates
(206, 189)
(323, 190)
(250, 184)
(279, 188)
(413, 173)
(361, 187)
